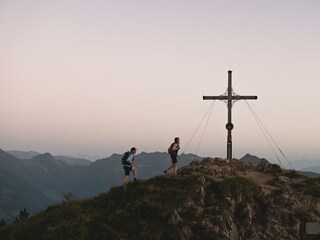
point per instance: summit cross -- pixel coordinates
(230, 97)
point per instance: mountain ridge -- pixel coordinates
(24, 155)
(302, 165)
(209, 199)
(50, 178)
(309, 172)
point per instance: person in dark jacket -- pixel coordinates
(128, 166)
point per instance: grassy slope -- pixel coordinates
(141, 212)
(145, 209)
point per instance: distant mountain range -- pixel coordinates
(307, 165)
(40, 181)
(309, 172)
(23, 154)
(73, 161)
(315, 169)
(303, 165)
(67, 159)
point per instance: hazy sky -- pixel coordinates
(98, 77)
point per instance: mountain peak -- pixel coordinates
(44, 157)
(251, 158)
(248, 155)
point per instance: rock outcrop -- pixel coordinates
(245, 201)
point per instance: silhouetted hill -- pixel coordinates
(50, 177)
(305, 164)
(74, 161)
(100, 176)
(17, 193)
(23, 154)
(31, 154)
(8, 162)
(209, 199)
(250, 158)
(315, 169)
(33, 183)
(309, 172)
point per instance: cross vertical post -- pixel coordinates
(230, 97)
(229, 125)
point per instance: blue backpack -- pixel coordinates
(125, 158)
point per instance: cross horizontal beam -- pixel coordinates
(227, 98)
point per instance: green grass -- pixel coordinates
(141, 212)
(312, 186)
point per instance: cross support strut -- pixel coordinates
(230, 97)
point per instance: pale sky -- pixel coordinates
(98, 77)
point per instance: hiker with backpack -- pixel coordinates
(127, 162)
(173, 151)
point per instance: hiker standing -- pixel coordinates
(173, 151)
(128, 161)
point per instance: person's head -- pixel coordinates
(133, 150)
(177, 140)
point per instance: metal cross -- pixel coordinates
(229, 97)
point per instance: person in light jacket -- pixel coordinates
(173, 151)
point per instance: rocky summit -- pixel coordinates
(244, 201)
(209, 199)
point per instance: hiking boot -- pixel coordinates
(165, 171)
(135, 179)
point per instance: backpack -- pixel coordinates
(125, 158)
(170, 151)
